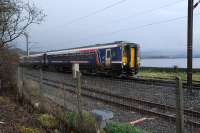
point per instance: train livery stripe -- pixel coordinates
(116, 62)
(68, 61)
(56, 61)
(88, 50)
(79, 61)
(81, 49)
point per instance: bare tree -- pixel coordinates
(8, 62)
(16, 17)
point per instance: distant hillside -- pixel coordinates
(22, 52)
(19, 51)
(167, 54)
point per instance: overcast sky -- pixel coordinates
(126, 21)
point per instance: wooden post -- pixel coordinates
(0, 85)
(77, 77)
(18, 82)
(23, 83)
(63, 87)
(179, 106)
(22, 75)
(40, 105)
(78, 93)
(41, 81)
(190, 43)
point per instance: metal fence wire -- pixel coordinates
(146, 105)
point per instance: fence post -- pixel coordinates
(40, 91)
(22, 75)
(179, 106)
(18, 82)
(63, 87)
(23, 83)
(78, 92)
(77, 77)
(41, 82)
(0, 85)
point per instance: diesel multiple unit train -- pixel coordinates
(112, 58)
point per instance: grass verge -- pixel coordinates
(86, 124)
(48, 121)
(121, 128)
(166, 74)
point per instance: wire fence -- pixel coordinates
(149, 107)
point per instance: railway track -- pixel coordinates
(148, 81)
(164, 82)
(130, 104)
(158, 82)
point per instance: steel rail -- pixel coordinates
(158, 82)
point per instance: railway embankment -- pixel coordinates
(58, 105)
(25, 115)
(153, 105)
(16, 118)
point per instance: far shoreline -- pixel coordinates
(167, 57)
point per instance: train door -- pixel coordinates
(45, 59)
(108, 58)
(132, 60)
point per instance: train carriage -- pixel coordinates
(36, 60)
(111, 58)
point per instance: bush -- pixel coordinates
(30, 130)
(88, 123)
(121, 128)
(69, 118)
(8, 63)
(48, 121)
(4, 99)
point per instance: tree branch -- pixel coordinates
(17, 19)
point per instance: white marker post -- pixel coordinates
(75, 70)
(76, 76)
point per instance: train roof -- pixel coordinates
(96, 46)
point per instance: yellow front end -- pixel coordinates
(132, 60)
(124, 60)
(124, 57)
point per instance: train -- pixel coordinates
(117, 58)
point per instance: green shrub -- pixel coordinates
(69, 118)
(30, 130)
(168, 74)
(1, 99)
(4, 99)
(48, 121)
(121, 128)
(87, 124)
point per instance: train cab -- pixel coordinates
(130, 58)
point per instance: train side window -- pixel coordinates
(114, 53)
(124, 51)
(108, 54)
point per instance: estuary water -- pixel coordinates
(180, 62)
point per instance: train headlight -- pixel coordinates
(124, 63)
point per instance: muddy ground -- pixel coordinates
(14, 117)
